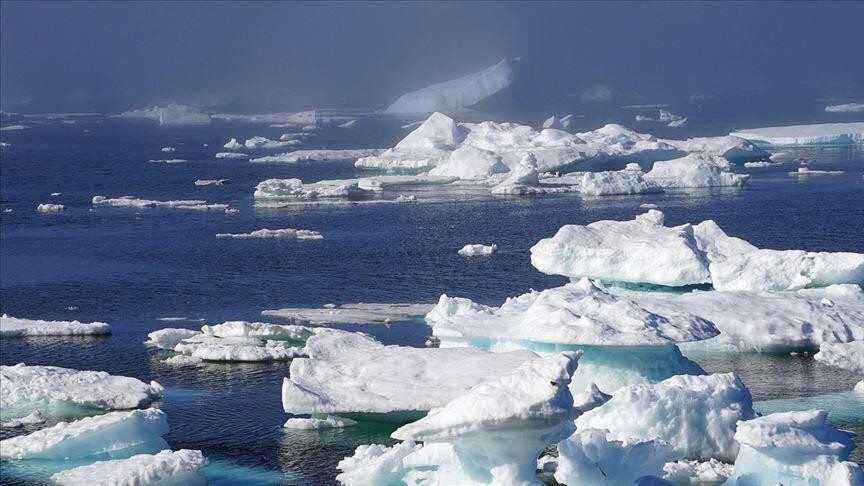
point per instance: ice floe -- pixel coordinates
(286, 118)
(789, 448)
(50, 208)
(12, 128)
(328, 422)
(265, 143)
(167, 161)
(806, 171)
(169, 337)
(169, 149)
(478, 250)
(230, 155)
(114, 434)
(819, 134)
(276, 189)
(695, 170)
(16, 327)
(350, 373)
(360, 313)
(212, 182)
(172, 114)
(631, 180)
(265, 233)
(133, 202)
(183, 467)
(845, 108)
(233, 144)
(55, 391)
(318, 155)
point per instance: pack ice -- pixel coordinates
(819, 134)
(167, 468)
(646, 251)
(350, 373)
(16, 327)
(60, 391)
(621, 342)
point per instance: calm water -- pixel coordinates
(129, 267)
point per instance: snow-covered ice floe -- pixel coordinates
(16, 327)
(289, 118)
(819, 134)
(234, 341)
(231, 155)
(328, 422)
(56, 391)
(318, 155)
(166, 468)
(793, 448)
(133, 202)
(265, 233)
(646, 251)
(360, 313)
(168, 149)
(806, 171)
(621, 342)
(12, 128)
(491, 434)
(50, 208)
(172, 114)
(212, 182)
(353, 375)
(167, 161)
(276, 189)
(256, 143)
(478, 250)
(845, 108)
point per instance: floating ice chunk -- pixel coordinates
(133, 202)
(849, 356)
(805, 171)
(686, 472)
(169, 337)
(265, 143)
(348, 124)
(169, 149)
(478, 250)
(361, 313)
(762, 164)
(677, 123)
(523, 179)
(51, 389)
(499, 428)
(115, 434)
(11, 128)
(4, 144)
(209, 348)
(296, 118)
(231, 155)
(649, 206)
(318, 155)
(786, 270)
(845, 108)
(458, 93)
(628, 181)
(790, 448)
(15, 327)
(31, 419)
(472, 163)
(167, 468)
(590, 457)
(296, 189)
(275, 234)
(772, 321)
(172, 114)
(819, 134)
(402, 198)
(697, 415)
(641, 250)
(233, 144)
(212, 182)
(50, 208)
(167, 161)
(352, 373)
(695, 170)
(375, 464)
(328, 422)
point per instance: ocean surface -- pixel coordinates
(130, 267)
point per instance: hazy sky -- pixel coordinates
(105, 56)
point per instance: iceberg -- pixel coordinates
(424, 148)
(230, 155)
(471, 163)
(631, 180)
(819, 134)
(275, 234)
(50, 208)
(695, 170)
(478, 250)
(457, 94)
(16, 327)
(56, 391)
(589, 456)
(328, 422)
(686, 472)
(621, 342)
(167, 468)
(113, 435)
(212, 182)
(319, 155)
(169, 149)
(276, 189)
(349, 374)
(845, 108)
(697, 415)
(360, 313)
(171, 114)
(255, 143)
(233, 144)
(169, 337)
(789, 448)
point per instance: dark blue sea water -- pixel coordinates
(129, 267)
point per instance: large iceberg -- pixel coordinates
(61, 391)
(113, 435)
(697, 415)
(819, 134)
(350, 373)
(646, 251)
(15, 327)
(789, 448)
(621, 342)
(167, 468)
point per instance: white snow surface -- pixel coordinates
(456, 94)
(48, 388)
(849, 356)
(259, 142)
(133, 202)
(695, 170)
(351, 372)
(276, 189)
(167, 468)
(30, 419)
(631, 180)
(109, 434)
(697, 415)
(17, 327)
(318, 155)
(818, 134)
(359, 313)
(478, 250)
(169, 337)
(685, 472)
(265, 233)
